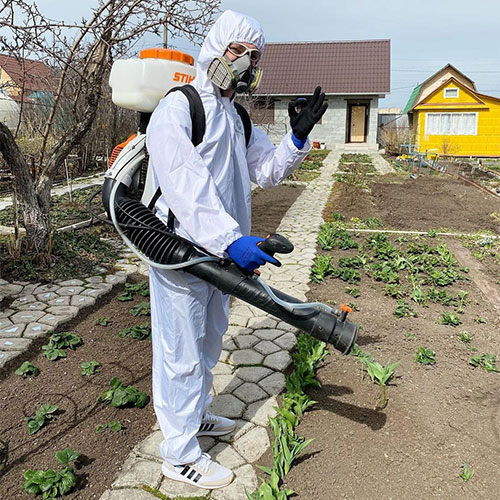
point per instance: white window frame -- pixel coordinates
(426, 128)
(451, 96)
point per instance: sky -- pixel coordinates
(425, 35)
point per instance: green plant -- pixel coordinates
(322, 267)
(450, 319)
(404, 310)
(58, 342)
(103, 321)
(40, 418)
(425, 356)
(332, 236)
(352, 291)
(140, 332)
(418, 295)
(373, 223)
(131, 289)
(395, 291)
(89, 368)
(120, 395)
(466, 473)
(114, 425)
(141, 309)
(432, 233)
(382, 375)
(465, 337)
(479, 319)
(410, 336)
(27, 369)
(361, 355)
(485, 361)
(337, 217)
(51, 484)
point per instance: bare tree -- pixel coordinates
(80, 55)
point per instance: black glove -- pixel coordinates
(309, 114)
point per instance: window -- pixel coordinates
(449, 93)
(451, 124)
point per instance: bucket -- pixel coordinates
(316, 144)
(322, 145)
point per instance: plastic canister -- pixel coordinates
(139, 84)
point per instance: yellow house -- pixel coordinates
(451, 117)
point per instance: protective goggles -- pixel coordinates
(238, 50)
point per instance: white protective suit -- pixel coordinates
(208, 190)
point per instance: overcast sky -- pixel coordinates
(425, 35)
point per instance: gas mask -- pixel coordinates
(238, 74)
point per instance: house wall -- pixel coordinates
(7, 84)
(487, 140)
(332, 129)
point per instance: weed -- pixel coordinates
(27, 369)
(480, 319)
(120, 395)
(141, 309)
(131, 289)
(322, 267)
(410, 336)
(103, 321)
(466, 473)
(58, 342)
(395, 291)
(114, 425)
(432, 233)
(40, 418)
(337, 217)
(140, 332)
(50, 484)
(89, 368)
(404, 310)
(353, 306)
(465, 337)
(425, 356)
(450, 319)
(352, 291)
(362, 356)
(485, 361)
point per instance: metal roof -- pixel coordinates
(340, 67)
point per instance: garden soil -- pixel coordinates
(438, 417)
(60, 383)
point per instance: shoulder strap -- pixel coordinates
(198, 126)
(245, 118)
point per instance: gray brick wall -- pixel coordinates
(332, 129)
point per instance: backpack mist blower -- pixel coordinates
(139, 84)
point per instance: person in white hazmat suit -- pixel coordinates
(207, 188)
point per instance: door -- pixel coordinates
(358, 122)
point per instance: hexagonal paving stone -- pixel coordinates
(270, 334)
(100, 286)
(34, 306)
(95, 279)
(237, 320)
(229, 345)
(10, 289)
(227, 405)
(226, 456)
(222, 369)
(242, 427)
(26, 316)
(6, 313)
(287, 341)
(114, 279)
(60, 301)
(246, 341)
(70, 290)
(82, 301)
(253, 373)
(224, 384)
(14, 344)
(252, 445)
(246, 357)
(73, 282)
(237, 330)
(28, 289)
(12, 331)
(36, 330)
(46, 297)
(259, 412)
(136, 471)
(174, 489)
(63, 311)
(4, 322)
(22, 301)
(249, 393)
(127, 494)
(261, 322)
(45, 289)
(94, 292)
(266, 347)
(54, 320)
(245, 478)
(273, 384)
(5, 357)
(278, 361)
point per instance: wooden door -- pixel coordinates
(358, 118)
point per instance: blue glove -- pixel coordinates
(245, 252)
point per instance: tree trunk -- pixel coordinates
(35, 215)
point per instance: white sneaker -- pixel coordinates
(204, 473)
(212, 425)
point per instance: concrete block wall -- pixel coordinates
(332, 129)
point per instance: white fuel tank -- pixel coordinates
(139, 84)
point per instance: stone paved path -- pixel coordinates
(381, 164)
(249, 375)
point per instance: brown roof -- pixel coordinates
(36, 74)
(346, 67)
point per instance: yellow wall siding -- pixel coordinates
(487, 140)
(7, 84)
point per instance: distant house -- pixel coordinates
(18, 76)
(450, 116)
(353, 74)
